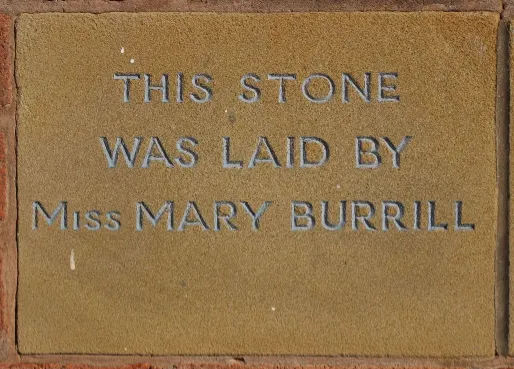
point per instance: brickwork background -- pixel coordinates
(9, 356)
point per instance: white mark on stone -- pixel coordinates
(72, 260)
(132, 61)
(273, 308)
(122, 50)
(338, 186)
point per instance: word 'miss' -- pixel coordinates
(316, 88)
(351, 215)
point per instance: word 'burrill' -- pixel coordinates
(223, 215)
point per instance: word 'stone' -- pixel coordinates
(316, 88)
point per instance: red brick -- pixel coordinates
(99, 6)
(74, 366)
(298, 366)
(211, 366)
(3, 177)
(5, 61)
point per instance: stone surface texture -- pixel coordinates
(271, 292)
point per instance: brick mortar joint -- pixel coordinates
(99, 6)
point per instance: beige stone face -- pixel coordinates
(416, 292)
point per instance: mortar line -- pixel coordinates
(16, 119)
(502, 146)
